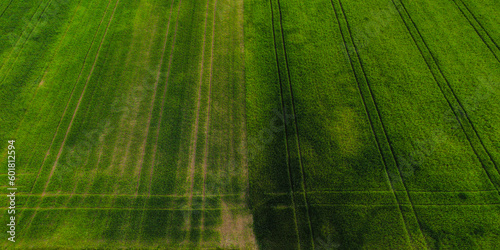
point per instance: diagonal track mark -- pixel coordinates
(76, 109)
(143, 151)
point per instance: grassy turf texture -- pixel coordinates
(392, 109)
(131, 119)
(252, 124)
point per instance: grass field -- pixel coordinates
(125, 123)
(392, 132)
(232, 124)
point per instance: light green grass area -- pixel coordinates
(108, 101)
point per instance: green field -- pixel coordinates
(246, 124)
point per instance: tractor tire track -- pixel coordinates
(207, 127)
(385, 137)
(472, 135)
(146, 133)
(38, 86)
(80, 99)
(370, 118)
(285, 122)
(8, 5)
(25, 28)
(194, 135)
(297, 134)
(155, 147)
(163, 99)
(486, 38)
(67, 104)
(76, 109)
(22, 46)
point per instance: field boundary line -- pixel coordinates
(494, 49)
(456, 106)
(207, 127)
(76, 109)
(24, 43)
(143, 151)
(292, 192)
(8, 5)
(297, 140)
